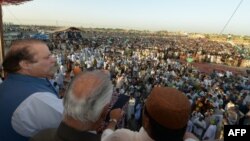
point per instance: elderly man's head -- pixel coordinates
(30, 57)
(87, 96)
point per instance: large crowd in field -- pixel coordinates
(137, 63)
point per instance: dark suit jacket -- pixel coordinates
(65, 133)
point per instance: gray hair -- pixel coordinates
(88, 108)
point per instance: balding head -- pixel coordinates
(25, 43)
(20, 50)
(87, 96)
(30, 57)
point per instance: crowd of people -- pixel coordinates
(149, 70)
(139, 64)
(200, 49)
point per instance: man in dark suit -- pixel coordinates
(85, 104)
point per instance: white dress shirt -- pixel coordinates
(128, 135)
(39, 111)
(125, 135)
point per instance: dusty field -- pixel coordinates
(208, 68)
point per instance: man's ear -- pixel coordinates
(24, 64)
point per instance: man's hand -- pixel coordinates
(115, 115)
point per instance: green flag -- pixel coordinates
(190, 60)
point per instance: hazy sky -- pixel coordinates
(203, 16)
